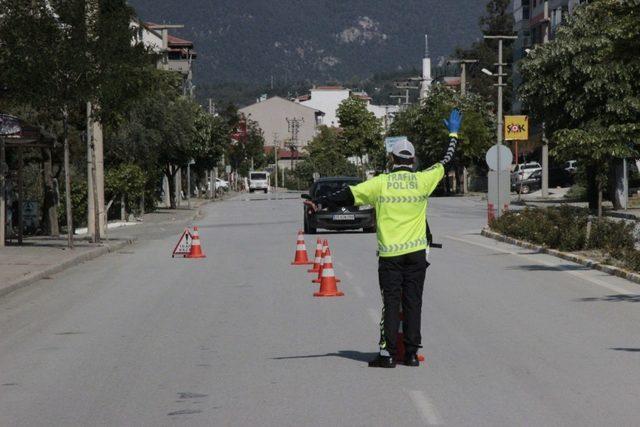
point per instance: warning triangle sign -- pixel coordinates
(184, 244)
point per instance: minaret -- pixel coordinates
(426, 70)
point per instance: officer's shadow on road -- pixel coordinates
(345, 354)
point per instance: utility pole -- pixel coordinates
(275, 155)
(407, 85)
(189, 163)
(463, 92)
(3, 172)
(67, 177)
(294, 129)
(500, 85)
(96, 221)
(545, 141)
(93, 203)
(463, 73)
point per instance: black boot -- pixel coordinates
(382, 362)
(411, 359)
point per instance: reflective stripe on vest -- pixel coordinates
(402, 199)
(402, 247)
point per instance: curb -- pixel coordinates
(605, 268)
(86, 256)
(620, 215)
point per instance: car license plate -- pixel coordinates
(344, 217)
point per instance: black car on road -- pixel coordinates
(343, 218)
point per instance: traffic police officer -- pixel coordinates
(400, 200)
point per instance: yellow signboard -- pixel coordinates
(516, 128)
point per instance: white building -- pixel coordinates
(385, 113)
(150, 38)
(327, 99)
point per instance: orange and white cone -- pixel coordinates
(196, 249)
(301, 251)
(325, 248)
(400, 350)
(328, 285)
(317, 259)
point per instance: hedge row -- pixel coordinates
(570, 229)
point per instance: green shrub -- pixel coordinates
(577, 192)
(78, 204)
(561, 227)
(630, 258)
(565, 228)
(611, 235)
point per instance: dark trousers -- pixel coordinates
(401, 282)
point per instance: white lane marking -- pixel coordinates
(375, 315)
(578, 274)
(425, 407)
(359, 291)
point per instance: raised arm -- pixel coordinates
(453, 125)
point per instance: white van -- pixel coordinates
(258, 180)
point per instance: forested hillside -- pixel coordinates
(322, 40)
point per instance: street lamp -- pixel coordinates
(500, 86)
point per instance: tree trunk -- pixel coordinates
(599, 202)
(170, 173)
(49, 205)
(592, 188)
(617, 187)
(123, 207)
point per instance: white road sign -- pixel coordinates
(506, 157)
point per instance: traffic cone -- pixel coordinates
(317, 259)
(325, 248)
(400, 350)
(196, 249)
(301, 251)
(328, 285)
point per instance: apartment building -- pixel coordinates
(536, 22)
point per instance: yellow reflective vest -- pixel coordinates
(400, 201)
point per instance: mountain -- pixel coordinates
(250, 41)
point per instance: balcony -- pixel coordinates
(182, 66)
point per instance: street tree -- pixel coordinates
(361, 132)
(248, 147)
(584, 85)
(422, 125)
(56, 55)
(326, 155)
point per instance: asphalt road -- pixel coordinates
(137, 338)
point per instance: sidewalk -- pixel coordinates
(41, 257)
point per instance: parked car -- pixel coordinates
(345, 218)
(258, 180)
(524, 170)
(525, 186)
(571, 166)
(220, 184)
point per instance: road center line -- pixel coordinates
(425, 407)
(578, 274)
